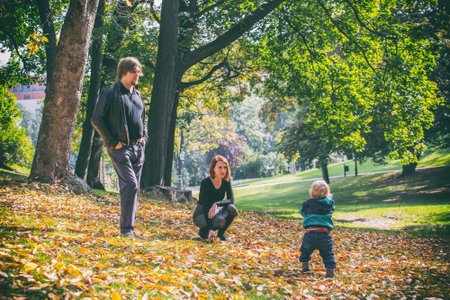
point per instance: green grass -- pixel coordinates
(439, 157)
(383, 201)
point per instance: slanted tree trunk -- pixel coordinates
(94, 88)
(173, 60)
(63, 92)
(93, 173)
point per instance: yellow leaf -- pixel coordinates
(29, 266)
(128, 2)
(115, 295)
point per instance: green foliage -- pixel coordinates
(360, 72)
(15, 147)
(271, 164)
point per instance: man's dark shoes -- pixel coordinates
(305, 266)
(221, 235)
(203, 234)
(134, 235)
(330, 273)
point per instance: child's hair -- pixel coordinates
(320, 189)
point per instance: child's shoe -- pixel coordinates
(330, 273)
(305, 266)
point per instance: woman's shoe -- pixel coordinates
(202, 233)
(221, 235)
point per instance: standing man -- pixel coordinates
(119, 118)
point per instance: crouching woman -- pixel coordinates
(215, 211)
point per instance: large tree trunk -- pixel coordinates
(63, 93)
(163, 97)
(93, 173)
(171, 64)
(94, 88)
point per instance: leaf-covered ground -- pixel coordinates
(56, 245)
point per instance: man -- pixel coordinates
(119, 118)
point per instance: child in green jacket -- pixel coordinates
(318, 223)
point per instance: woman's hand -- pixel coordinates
(213, 211)
(211, 234)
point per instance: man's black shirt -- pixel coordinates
(133, 113)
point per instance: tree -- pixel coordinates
(179, 48)
(355, 66)
(94, 89)
(22, 36)
(62, 98)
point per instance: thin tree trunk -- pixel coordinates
(51, 158)
(356, 166)
(94, 88)
(171, 142)
(324, 168)
(409, 169)
(49, 32)
(163, 98)
(93, 174)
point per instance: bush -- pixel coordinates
(15, 146)
(272, 164)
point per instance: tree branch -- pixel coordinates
(209, 8)
(185, 85)
(347, 35)
(235, 32)
(364, 25)
(153, 12)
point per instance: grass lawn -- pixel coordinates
(383, 201)
(439, 157)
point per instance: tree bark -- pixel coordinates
(172, 62)
(93, 173)
(324, 168)
(49, 31)
(409, 169)
(163, 97)
(94, 88)
(63, 92)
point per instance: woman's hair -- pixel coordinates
(213, 164)
(127, 64)
(320, 189)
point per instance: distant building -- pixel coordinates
(31, 97)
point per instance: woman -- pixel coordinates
(214, 211)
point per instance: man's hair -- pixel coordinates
(319, 189)
(127, 64)
(213, 164)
